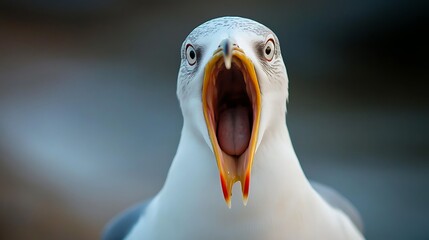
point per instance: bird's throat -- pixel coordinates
(233, 111)
(232, 105)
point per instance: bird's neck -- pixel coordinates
(194, 175)
(276, 164)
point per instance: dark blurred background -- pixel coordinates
(89, 120)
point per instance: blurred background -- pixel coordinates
(89, 120)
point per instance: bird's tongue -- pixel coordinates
(234, 130)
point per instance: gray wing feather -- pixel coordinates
(338, 201)
(119, 227)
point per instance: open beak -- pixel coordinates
(232, 106)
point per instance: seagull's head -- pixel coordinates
(232, 85)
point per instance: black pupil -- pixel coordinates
(268, 50)
(192, 54)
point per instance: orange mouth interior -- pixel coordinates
(231, 104)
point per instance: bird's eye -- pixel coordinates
(191, 54)
(269, 49)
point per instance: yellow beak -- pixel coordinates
(232, 107)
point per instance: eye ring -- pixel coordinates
(191, 54)
(268, 50)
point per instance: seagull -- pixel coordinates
(232, 87)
